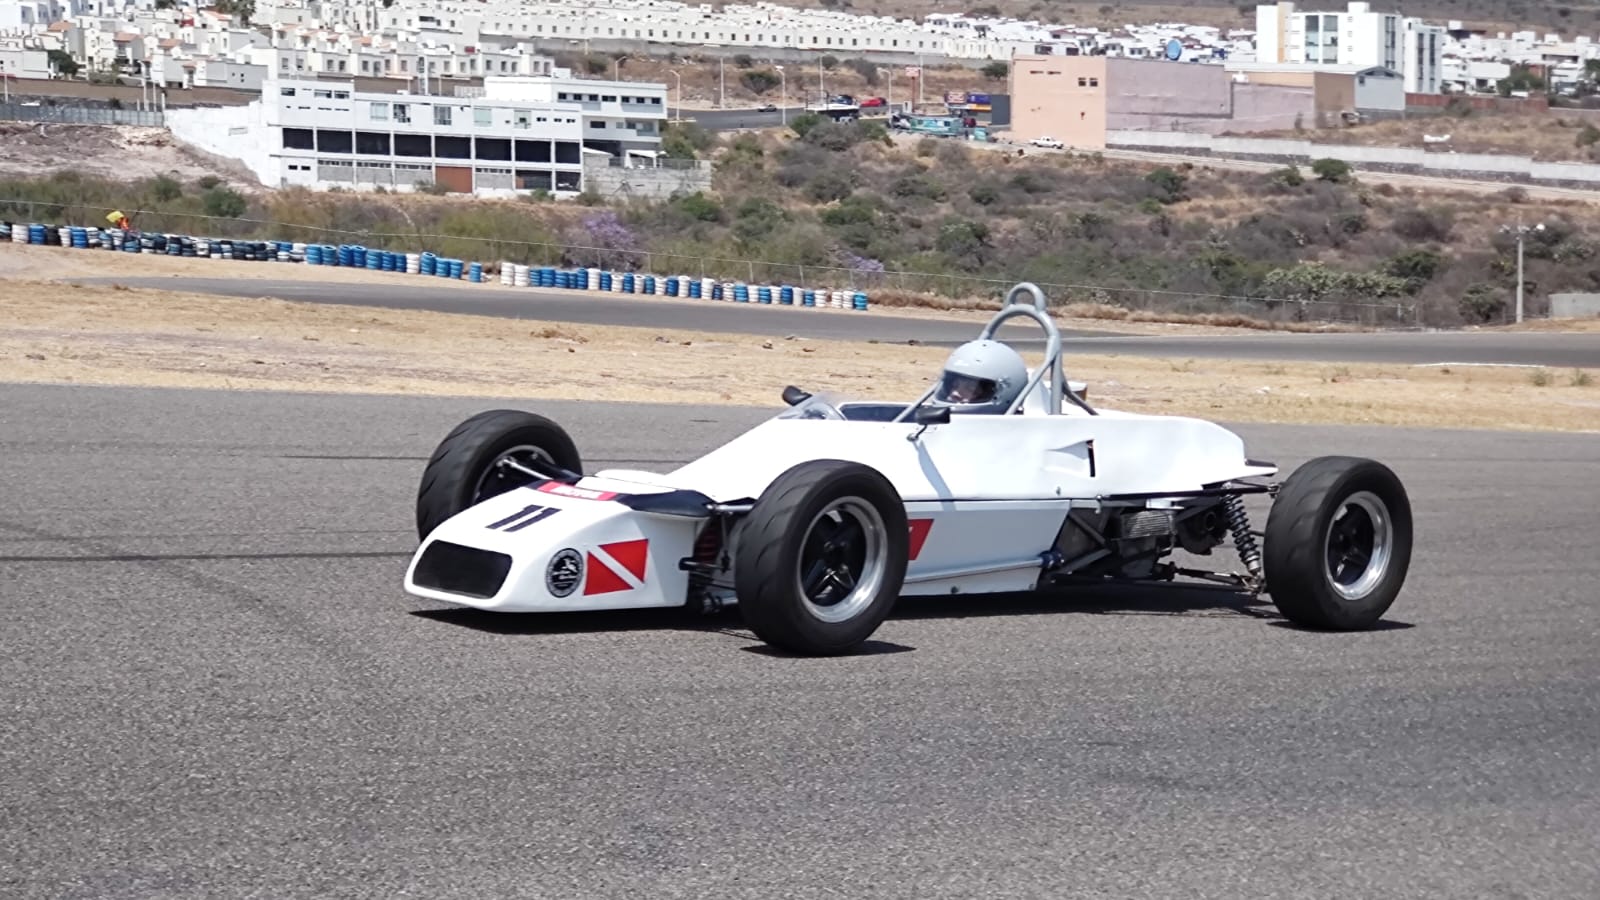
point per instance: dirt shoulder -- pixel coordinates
(61, 334)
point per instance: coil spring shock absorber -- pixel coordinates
(1243, 540)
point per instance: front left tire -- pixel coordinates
(820, 559)
(464, 470)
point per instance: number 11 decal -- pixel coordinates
(524, 517)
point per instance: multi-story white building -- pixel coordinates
(1356, 37)
(517, 134)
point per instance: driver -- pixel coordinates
(981, 377)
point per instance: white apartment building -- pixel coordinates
(1356, 37)
(520, 134)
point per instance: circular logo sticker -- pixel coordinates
(564, 573)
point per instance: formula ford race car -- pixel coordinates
(815, 522)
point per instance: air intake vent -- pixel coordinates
(467, 571)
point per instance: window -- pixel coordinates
(1094, 82)
(401, 113)
(441, 115)
(288, 92)
(482, 116)
(380, 112)
(1082, 81)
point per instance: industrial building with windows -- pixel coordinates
(515, 134)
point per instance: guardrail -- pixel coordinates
(81, 237)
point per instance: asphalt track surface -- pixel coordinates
(214, 687)
(1414, 348)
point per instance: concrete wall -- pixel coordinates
(1476, 166)
(611, 180)
(1146, 88)
(1574, 306)
(1335, 95)
(235, 132)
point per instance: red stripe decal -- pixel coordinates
(919, 534)
(631, 554)
(599, 579)
(577, 493)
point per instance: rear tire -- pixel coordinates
(1338, 543)
(462, 471)
(820, 560)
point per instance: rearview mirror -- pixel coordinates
(794, 396)
(932, 415)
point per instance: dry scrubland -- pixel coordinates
(1582, 16)
(843, 206)
(66, 333)
(749, 80)
(1553, 136)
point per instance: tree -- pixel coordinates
(1333, 170)
(759, 81)
(63, 63)
(996, 71)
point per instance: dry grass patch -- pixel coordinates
(163, 339)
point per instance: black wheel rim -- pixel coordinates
(843, 559)
(1359, 544)
(498, 477)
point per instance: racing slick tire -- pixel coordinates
(1338, 543)
(462, 471)
(820, 559)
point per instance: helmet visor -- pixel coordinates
(958, 388)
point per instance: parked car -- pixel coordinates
(1050, 142)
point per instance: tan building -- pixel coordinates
(1063, 97)
(1078, 99)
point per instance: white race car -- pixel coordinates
(815, 522)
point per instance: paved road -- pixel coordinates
(215, 688)
(1562, 350)
(733, 119)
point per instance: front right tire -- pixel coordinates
(820, 560)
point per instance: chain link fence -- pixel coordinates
(886, 287)
(81, 115)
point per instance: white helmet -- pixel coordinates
(981, 377)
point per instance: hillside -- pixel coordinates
(829, 205)
(1581, 16)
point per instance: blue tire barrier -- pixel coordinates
(313, 255)
(475, 273)
(764, 294)
(808, 298)
(741, 293)
(373, 261)
(457, 268)
(36, 234)
(859, 301)
(429, 263)
(694, 289)
(786, 295)
(628, 280)
(716, 291)
(581, 278)
(79, 238)
(647, 284)
(605, 281)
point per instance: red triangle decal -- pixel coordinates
(630, 554)
(919, 535)
(599, 579)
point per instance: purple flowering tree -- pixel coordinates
(864, 271)
(603, 240)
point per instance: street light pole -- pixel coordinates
(783, 96)
(677, 109)
(1521, 231)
